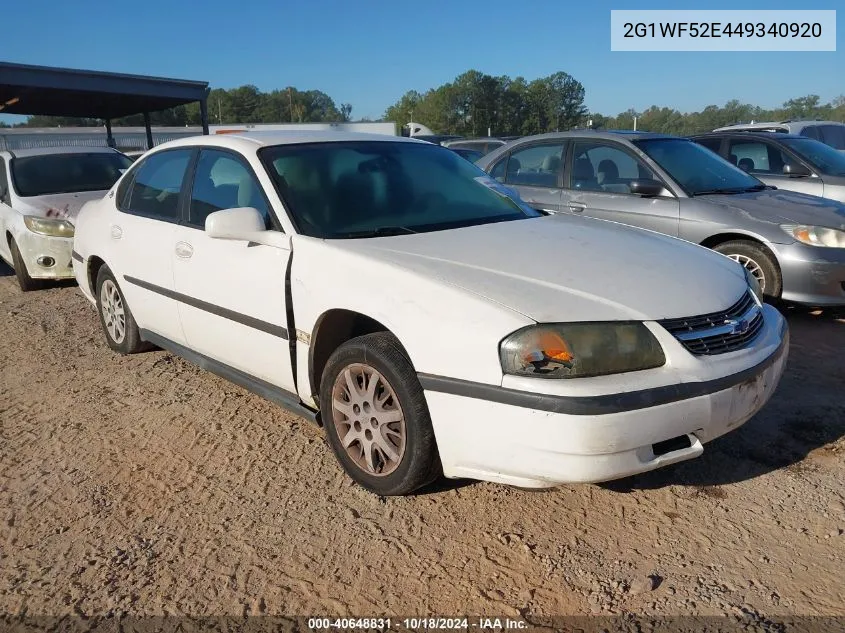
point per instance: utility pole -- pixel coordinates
(290, 101)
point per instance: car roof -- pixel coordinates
(66, 149)
(632, 135)
(751, 134)
(249, 142)
(768, 124)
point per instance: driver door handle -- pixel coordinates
(577, 207)
(184, 250)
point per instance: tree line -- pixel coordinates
(470, 105)
(246, 104)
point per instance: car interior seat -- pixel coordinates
(746, 164)
(583, 175)
(732, 158)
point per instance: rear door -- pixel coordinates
(5, 210)
(536, 172)
(231, 293)
(598, 177)
(143, 234)
(765, 160)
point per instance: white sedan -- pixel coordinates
(427, 318)
(41, 191)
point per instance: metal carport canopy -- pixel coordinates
(69, 92)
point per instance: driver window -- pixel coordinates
(606, 168)
(223, 181)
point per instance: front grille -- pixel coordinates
(719, 332)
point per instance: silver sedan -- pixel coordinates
(792, 243)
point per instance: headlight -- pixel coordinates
(753, 283)
(816, 235)
(45, 226)
(578, 350)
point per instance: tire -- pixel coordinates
(398, 436)
(110, 303)
(26, 282)
(759, 261)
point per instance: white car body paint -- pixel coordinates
(450, 297)
(65, 206)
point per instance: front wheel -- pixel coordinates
(758, 261)
(26, 282)
(376, 417)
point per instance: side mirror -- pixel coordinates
(794, 170)
(646, 187)
(241, 223)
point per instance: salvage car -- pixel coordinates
(786, 161)
(793, 244)
(41, 191)
(431, 322)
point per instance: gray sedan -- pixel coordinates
(787, 161)
(794, 244)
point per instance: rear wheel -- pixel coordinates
(376, 417)
(758, 261)
(119, 325)
(26, 282)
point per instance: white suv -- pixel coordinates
(390, 290)
(41, 191)
(828, 132)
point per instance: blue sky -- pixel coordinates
(369, 52)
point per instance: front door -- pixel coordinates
(232, 292)
(766, 160)
(535, 172)
(598, 187)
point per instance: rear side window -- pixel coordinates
(5, 196)
(156, 185)
(536, 166)
(224, 181)
(833, 135)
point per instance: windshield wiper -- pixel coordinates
(381, 231)
(732, 191)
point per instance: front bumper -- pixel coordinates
(500, 440)
(37, 250)
(812, 275)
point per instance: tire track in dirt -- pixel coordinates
(144, 485)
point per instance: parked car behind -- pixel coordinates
(828, 132)
(41, 191)
(483, 145)
(794, 244)
(787, 161)
(388, 288)
(471, 155)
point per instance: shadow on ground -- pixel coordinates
(806, 414)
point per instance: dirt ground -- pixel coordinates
(142, 485)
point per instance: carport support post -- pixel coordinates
(109, 138)
(204, 114)
(149, 130)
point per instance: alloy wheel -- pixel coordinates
(753, 267)
(368, 419)
(114, 315)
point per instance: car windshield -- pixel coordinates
(67, 173)
(823, 157)
(696, 169)
(377, 188)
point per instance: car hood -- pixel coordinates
(782, 206)
(60, 205)
(565, 268)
